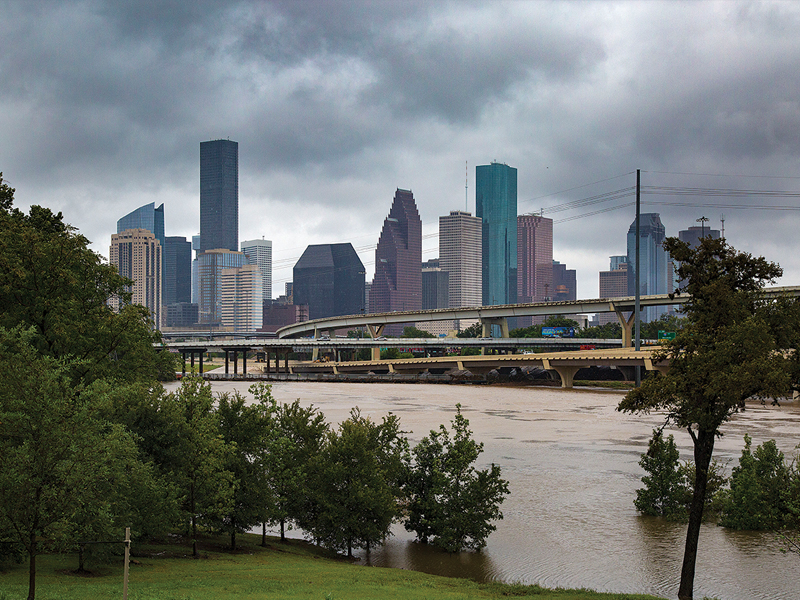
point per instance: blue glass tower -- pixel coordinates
(145, 217)
(496, 205)
(219, 195)
(655, 276)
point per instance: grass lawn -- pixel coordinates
(293, 571)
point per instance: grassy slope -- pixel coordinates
(295, 571)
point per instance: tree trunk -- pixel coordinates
(32, 568)
(233, 540)
(283, 531)
(703, 449)
(194, 520)
(264, 535)
(81, 562)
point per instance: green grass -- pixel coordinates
(293, 571)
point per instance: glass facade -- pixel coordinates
(177, 270)
(209, 267)
(329, 279)
(145, 217)
(219, 195)
(496, 204)
(655, 271)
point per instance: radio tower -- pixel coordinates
(722, 218)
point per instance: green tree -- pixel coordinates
(666, 322)
(6, 195)
(58, 451)
(450, 502)
(759, 485)
(473, 331)
(727, 352)
(413, 332)
(664, 492)
(609, 331)
(357, 483)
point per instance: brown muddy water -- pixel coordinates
(572, 465)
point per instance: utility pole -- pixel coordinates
(637, 307)
(722, 218)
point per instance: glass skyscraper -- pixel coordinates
(496, 204)
(329, 279)
(145, 217)
(655, 274)
(219, 195)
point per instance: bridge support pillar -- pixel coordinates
(627, 329)
(565, 372)
(375, 331)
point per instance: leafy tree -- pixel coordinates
(759, 486)
(727, 352)
(664, 492)
(58, 449)
(609, 331)
(6, 195)
(413, 332)
(449, 501)
(357, 483)
(390, 353)
(666, 322)
(473, 331)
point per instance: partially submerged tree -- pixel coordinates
(735, 345)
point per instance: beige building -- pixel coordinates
(137, 255)
(460, 236)
(241, 302)
(613, 284)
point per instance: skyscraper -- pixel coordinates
(219, 195)
(259, 253)
(137, 255)
(177, 270)
(565, 283)
(145, 217)
(329, 278)
(460, 237)
(195, 271)
(241, 300)
(534, 258)
(692, 235)
(210, 266)
(613, 284)
(496, 204)
(655, 273)
(397, 285)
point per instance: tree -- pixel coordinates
(609, 331)
(759, 485)
(666, 322)
(473, 331)
(449, 501)
(6, 195)
(413, 332)
(357, 481)
(58, 450)
(728, 351)
(664, 492)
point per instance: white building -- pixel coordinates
(242, 302)
(460, 236)
(259, 253)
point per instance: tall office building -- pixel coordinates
(613, 284)
(210, 265)
(692, 235)
(219, 195)
(259, 253)
(137, 255)
(145, 217)
(655, 271)
(534, 258)
(435, 294)
(241, 298)
(329, 278)
(460, 236)
(177, 270)
(565, 283)
(195, 272)
(397, 285)
(496, 204)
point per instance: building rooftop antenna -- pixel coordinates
(466, 181)
(722, 218)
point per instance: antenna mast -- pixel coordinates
(466, 180)
(722, 218)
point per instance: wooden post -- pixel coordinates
(127, 561)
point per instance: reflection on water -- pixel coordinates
(572, 465)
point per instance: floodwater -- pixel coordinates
(572, 465)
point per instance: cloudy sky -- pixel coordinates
(103, 106)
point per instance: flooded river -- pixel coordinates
(572, 465)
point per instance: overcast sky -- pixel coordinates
(103, 106)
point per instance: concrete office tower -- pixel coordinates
(259, 253)
(565, 283)
(655, 274)
(435, 294)
(460, 236)
(195, 272)
(613, 284)
(145, 217)
(397, 285)
(534, 258)
(219, 195)
(241, 298)
(329, 278)
(177, 270)
(496, 204)
(137, 255)
(692, 235)
(210, 265)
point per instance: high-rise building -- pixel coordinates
(435, 294)
(692, 235)
(397, 285)
(195, 272)
(460, 237)
(565, 283)
(329, 278)
(210, 265)
(534, 258)
(219, 195)
(496, 204)
(259, 253)
(177, 270)
(655, 272)
(137, 255)
(241, 302)
(145, 217)
(613, 284)
(181, 314)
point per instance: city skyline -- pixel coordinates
(104, 103)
